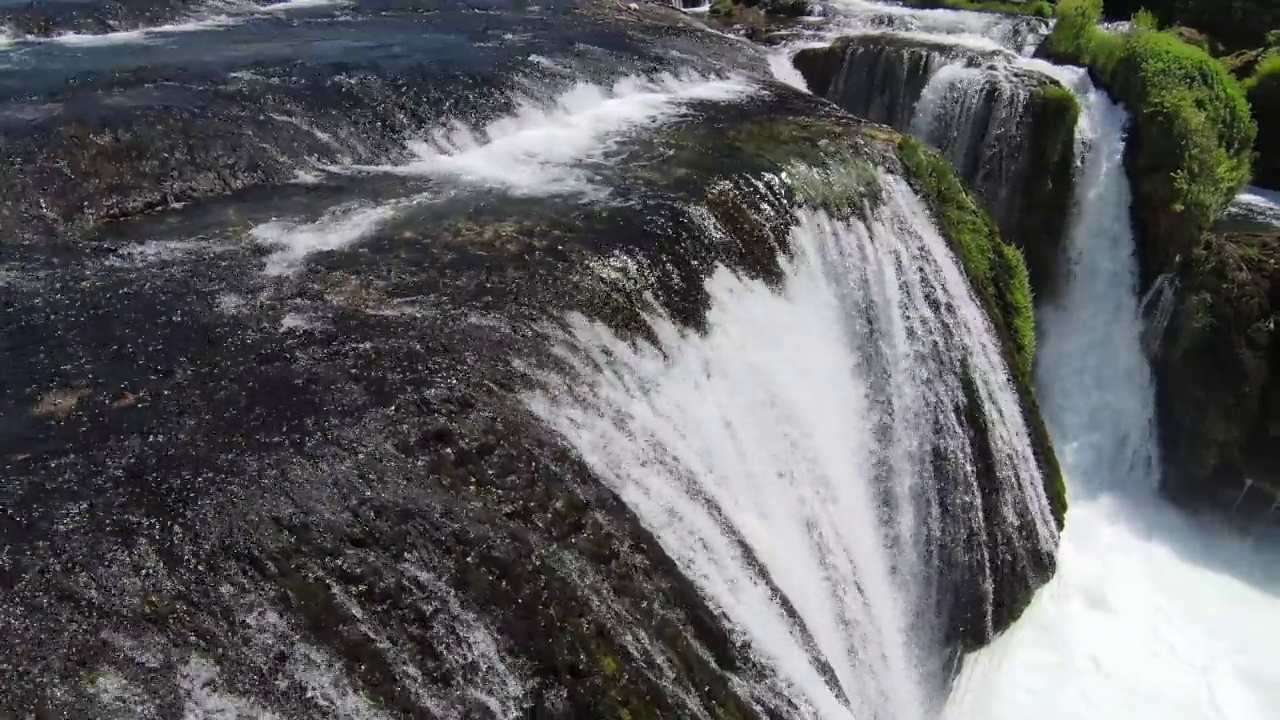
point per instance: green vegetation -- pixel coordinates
(1192, 136)
(1039, 8)
(1263, 91)
(998, 275)
(1235, 23)
(995, 268)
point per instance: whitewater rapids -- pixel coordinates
(1153, 613)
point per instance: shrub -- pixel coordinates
(1192, 131)
(1263, 91)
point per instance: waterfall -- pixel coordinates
(981, 107)
(979, 117)
(1156, 310)
(878, 78)
(808, 462)
(1101, 282)
(1152, 614)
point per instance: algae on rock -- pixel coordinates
(1219, 371)
(999, 277)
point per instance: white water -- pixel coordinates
(542, 148)
(1258, 205)
(976, 30)
(546, 146)
(950, 117)
(213, 16)
(338, 229)
(790, 446)
(1152, 614)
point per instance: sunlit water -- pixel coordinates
(765, 453)
(1153, 613)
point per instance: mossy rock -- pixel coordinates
(1219, 370)
(998, 275)
(1024, 180)
(1042, 220)
(1190, 144)
(1263, 91)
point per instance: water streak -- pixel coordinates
(544, 146)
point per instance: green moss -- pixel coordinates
(998, 275)
(1262, 89)
(996, 269)
(1192, 136)
(842, 186)
(1039, 8)
(1235, 24)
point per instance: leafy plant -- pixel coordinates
(1193, 132)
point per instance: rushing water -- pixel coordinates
(282, 494)
(1153, 613)
(785, 459)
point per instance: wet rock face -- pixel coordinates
(1008, 132)
(323, 490)
(318, 491)
(330, 484)
(1219, 375)
(876, 77)
(87, 142)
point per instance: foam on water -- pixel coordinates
(1258, 204)
(338, 229)
(546, 146)
(762, 453)
(542, 148)
(981, 31)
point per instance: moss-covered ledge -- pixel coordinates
(1190, 146)
(998, 275)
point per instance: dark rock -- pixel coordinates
(1219, 373)
(1010, 133)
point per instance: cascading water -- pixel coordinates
(978, 117)
(1153, 614)
(1156, 310)
(982, 107)
(791, 458)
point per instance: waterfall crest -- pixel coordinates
(813, 462)
(1002, 122)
